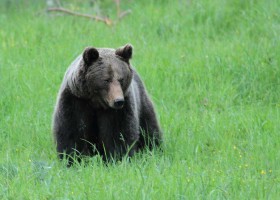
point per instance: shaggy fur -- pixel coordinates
(103, 107)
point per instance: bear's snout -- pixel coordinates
(115, 96)
(118, 103)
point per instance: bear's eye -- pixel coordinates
(107, 80)
(121, 81)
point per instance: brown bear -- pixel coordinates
(103, 107)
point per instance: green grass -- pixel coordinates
(212, 69)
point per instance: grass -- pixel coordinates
(212, 69)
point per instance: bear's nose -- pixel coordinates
(118, 103)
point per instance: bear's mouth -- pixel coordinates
(98, 103)
(103, 103)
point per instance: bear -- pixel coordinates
(103, 108)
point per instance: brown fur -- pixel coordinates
(102, 104)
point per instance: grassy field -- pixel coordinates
(211, 67)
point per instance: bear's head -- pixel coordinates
(108, 75)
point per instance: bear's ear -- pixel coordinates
(90, 55)
(125, 52)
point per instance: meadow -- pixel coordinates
(211, 68)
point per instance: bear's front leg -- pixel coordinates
(71, 127)
(66, 137)
(151, 135)
(130, 131)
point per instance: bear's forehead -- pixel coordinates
(106, 52)
(109, 57)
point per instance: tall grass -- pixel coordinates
(212, 69)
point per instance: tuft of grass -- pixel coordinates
(211, 68)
